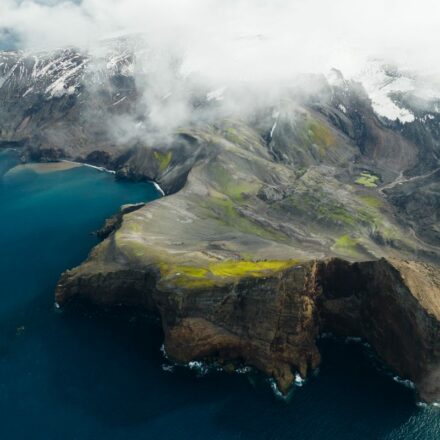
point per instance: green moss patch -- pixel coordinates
(217, 273)
(163, 159)
(322, 208)
(242, 268)
(314, 133)
(224, 210)
(320, 135)
(346, 245)
(222, 179)
(372, 202)
(241, 135)
(232, 135)
(368, 180)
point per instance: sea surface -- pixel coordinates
(84, 374)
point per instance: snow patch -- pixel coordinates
(380, 85)
(120, 100)
(28, 91)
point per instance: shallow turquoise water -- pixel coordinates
(83, 374)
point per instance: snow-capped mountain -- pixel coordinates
(63, 72)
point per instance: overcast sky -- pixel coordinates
(269, 39)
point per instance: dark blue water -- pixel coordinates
(83, 374)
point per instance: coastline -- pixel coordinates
(106, 170)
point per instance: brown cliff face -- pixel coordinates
(272, 323)
(268, 323)
(394, 305)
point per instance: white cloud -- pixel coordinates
(244, 39)
(266, 42)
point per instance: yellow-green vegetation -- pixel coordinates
(372, 202)
(163, 159)
(325, 209)
(241, 135)
(368, 180)
(311, 133)
(360, 215)
(346, 245)
(226, 184)
(220, 272)
(224, 210)
(241, 268)
(231, 135)
(320, 135)
(130, 245)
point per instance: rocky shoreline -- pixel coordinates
(272, 322)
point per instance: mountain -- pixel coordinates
(309, 210)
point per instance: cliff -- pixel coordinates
(271, 316)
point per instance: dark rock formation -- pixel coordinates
(115, 221)
(272, 322)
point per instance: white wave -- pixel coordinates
(105, 170)
(163, 351)
(405, 382)
(276, 390)
(243, 370)
(157, 186)
(299, 381)
(168, 368)
(198, 366)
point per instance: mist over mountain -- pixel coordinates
(245, 39)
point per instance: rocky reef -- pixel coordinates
(308, 215)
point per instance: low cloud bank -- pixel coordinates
(243, 39)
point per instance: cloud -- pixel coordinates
(243, 39)
(245, 46)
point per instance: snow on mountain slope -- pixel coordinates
(380, 85)
(384, 84)
(60, 73)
